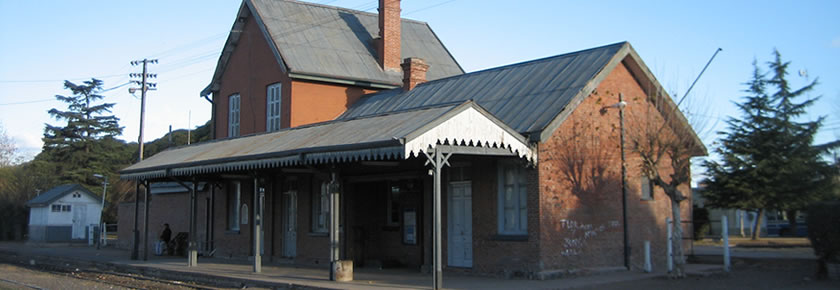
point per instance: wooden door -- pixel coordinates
(459, 224)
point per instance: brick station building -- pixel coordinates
(346, 135)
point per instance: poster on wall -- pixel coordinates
(410, 227)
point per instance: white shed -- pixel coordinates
(63, 213)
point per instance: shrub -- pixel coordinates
(824, 230)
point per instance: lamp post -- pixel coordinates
(620, 106)
(101, 210)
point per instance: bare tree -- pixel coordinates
(665, 143)
(8, 149)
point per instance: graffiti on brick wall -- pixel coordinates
(579, 233)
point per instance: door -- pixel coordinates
(459, 223)
(79, 214)
(290, 224)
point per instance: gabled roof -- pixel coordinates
(58, 192)
(532, 97)
(312, 41)
(395, 135)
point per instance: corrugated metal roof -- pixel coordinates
(394, 135)
(329, 41)
(56, 193)
(359, 139)
(526, 96)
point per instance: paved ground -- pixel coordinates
(765, 273)
(235, 274)
(757, 252)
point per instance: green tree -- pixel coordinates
(767, 157)
(85, 144)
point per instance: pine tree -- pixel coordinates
(768, 161)
(85, 145)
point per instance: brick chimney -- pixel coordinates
(389, 35)
(414, 72)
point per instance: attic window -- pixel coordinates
(77, 195)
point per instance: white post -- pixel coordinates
(647, 257)
(724, 232)
(104, 234)
(670, 246)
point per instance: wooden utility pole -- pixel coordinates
(144, 86)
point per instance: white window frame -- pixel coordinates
(55, 208)
(517, 222)
(646, 187)
(234, 106)
(321, 209)
(233, 205)
(66, 208)
(273, 107)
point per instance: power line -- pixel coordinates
(61, 80)
(429, 7)
(27, 102)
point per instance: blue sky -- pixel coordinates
(44, 42)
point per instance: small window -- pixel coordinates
(512, 199)
(65, 208)
(233, 196)
(321, 209)
(233, 115)
(272, 114)
(56, 208)
(647, 188)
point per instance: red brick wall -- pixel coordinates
(493, 254)
(165, 208)
(582, 225)
(313, 102)
(249, 72)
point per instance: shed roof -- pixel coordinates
(326, 42)
(58, 192)
(393, 135)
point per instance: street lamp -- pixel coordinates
(101, 210)
(620, 106)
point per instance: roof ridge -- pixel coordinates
(349, 10)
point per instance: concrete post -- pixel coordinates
(339, 270)
(146, 222)
(670, 245)
(648, 267)
(724, 232)
(135, 233)
(259, 193)
(192, 256)
(438, 257)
